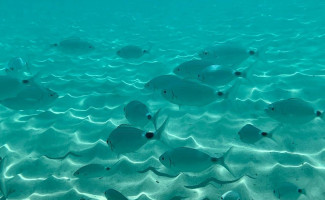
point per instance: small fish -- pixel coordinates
(209, 180)
(231, 195)
(157, 172)
(193, 94)
(131, 52)
(292, 111)
(10, 86)
(127, 139)
(228, 54)
(217, 75)
(33, 96)
(18, 68)
(138, 114)
(3, 187)
(92, 171)
(250, 134)
(161, 82)
(112, 194)
(185, 159)
(289, 191)
(74, 45)
(191, 69)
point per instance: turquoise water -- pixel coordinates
(94, 87)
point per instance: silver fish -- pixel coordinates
(131, 52)
(228, 54)
(185, 159)
(75, 45)
(127, 139)
(292, 111)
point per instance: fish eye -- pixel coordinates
(220, 93)
(12, 69)
(77, 173)
(299, 190)
(25, 81)
(264, 133)
(251, 52)
(198, 75)
(272, 108)
(118, 52)
(178, 69)
(90, 47)
(237, 73)
(162, 158)
(149, 135)
(149, 117)
(165, 91)
(107, 168)
(205, 53)
(318, 113)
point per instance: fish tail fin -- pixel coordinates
(155, 118)
(221, 161)
(161, 129)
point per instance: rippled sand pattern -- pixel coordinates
(94, 88)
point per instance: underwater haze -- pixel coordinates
(162, 100)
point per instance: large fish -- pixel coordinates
(228, 54)
(185, 159)
(292, 111)
(127, 139)
(193, 94)
(31, 97)
(131, 52)
(74, 45)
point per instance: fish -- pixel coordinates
(227, 54)
(92, 171)
(3, 187)
(217, 75)
(112, 194)
(191, 69)
(17, 68)
(230, 195)
(35, 96)
(292, 111)
(185, 159)
(191, 93)
(10, 87)
(250, 134)
(131, 52)
(289, 191)
(126, 138)
(138, 114)
(161, 82)
(74, 45)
